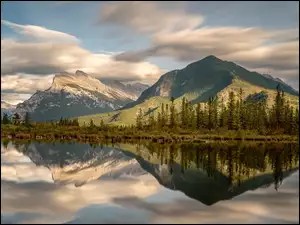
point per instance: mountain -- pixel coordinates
(7, 108)
(72, 95)
(197, 82)
(206, 78)
(134, 89)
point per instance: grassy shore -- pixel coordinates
(119, 135)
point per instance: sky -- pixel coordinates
(140, 41)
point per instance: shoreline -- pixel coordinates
(170, 138)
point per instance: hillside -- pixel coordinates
(127, 116)
(76, 95)
(206, 78)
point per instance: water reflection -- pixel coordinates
(61, 182)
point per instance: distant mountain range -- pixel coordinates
(78, 94)
(7, 108)
(81, 95)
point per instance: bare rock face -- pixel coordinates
(72, 95)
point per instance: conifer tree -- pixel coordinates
(139, 118)
(6, 119)
(231, 112)
(173, 122)
(198, 115)
(183, 113)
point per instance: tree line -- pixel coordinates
(237, 114)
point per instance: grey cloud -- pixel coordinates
(250, 46)
(148, 17)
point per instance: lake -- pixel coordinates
(209, 182)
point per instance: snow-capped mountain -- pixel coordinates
(75, 95)
(7, 108)
(134, 89)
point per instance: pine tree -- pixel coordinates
(163, 115)
(215, 115)
(296, 121)
(222, 114)
(102, 125)
(279, 104)
(210, 113)
(242, 110)
(198, 115)
(139, 119)
(167, 115)
(183, 113)
(173, 122)
(158, 120)
(151, 121)
(6, 120)
(231, 112)
(91, 125)
(27, 119)
(16, 118)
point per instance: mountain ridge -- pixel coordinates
(74, 95)
(207, 77)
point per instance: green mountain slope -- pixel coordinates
(198, 82)
(128, 116)
(206, 78)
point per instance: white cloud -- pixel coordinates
(40, 33)
(25, 83)
(28, 66)
(49, 58)
(14, 98)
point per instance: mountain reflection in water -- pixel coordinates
(149, 183)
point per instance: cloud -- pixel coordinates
(14, 98)
(27, 66)
(148, 17)
(252, 47)
(49, 58)
(40, 33)
(25, 83)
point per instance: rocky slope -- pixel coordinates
(206, 78)
(72, 95)
(7, 108)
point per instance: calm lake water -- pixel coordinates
(149, 183)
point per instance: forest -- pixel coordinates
(239, 116)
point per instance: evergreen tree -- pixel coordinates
(158, 120)
(91, 123)
(6, 120)
(279, 104)
(215, 115)
(27, 119)
(163, 115)
(231, 112)
(102, 125)
(198, 115)
(16, 118)
(183, 113)
(222, 114)
(139, 119)
(210, 113)
(173, 122)
(167, 115)
(151, 121)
